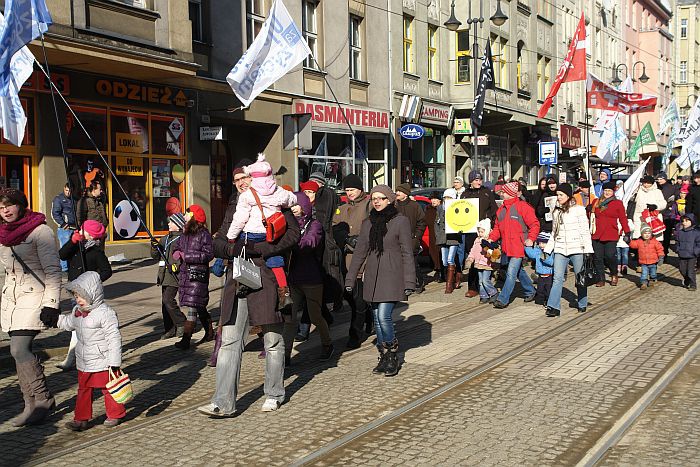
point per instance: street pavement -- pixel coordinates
(478, 386)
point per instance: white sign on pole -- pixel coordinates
(211, 133)
(549, 152)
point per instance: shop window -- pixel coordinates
(94, 119)
(133, 176)
(166, 182)
(14, 173)
(463, 57)
(129, 132)
(28, 106)
(167, 135)
(331, 154)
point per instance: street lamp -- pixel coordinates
(616, 81)
(498, 19)
(687, 105)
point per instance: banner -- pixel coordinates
(485, 82)
(572, 69)
(675, 130)
(646, 136)
(632, 183)
(690, 138)
(610, 140)
(278, 47)
(607, 117)
(600, 95)
(670, 116)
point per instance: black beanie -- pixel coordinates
(609, 186)
(353, 181)
(565, 188)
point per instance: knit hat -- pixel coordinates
(645, 227)
(584, 184)
(566, 189)
(648, 179)
(260, 168)
(198, 213)
(543, 237)
(178, 219)
(94, 228)
(435, 195)
(317, 177)
(458, 179)
(551, 180)
(309, 186)
(609, 186)
(475, 174)
(450, 193)
(352, 181)
(486, 225)
(511, 188)
(385, 190)
(404, 188)
(662, 175)
(696, 174)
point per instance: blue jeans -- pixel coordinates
(486, 288)
(515, 271)
(64, 236)
(561, 262)
(448, 254)
(272, 261)
(461, 252)
(648, 272)
(623, 256)
(383, 322)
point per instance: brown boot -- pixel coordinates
(22, 377)
(184, 343)
(458, 279)
(284, 299)
(450, 281)
(44, 402)
(205, 318)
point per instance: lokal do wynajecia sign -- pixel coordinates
(411, 131)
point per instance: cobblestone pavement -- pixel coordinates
(547, 405)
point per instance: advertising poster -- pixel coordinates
(461, 215)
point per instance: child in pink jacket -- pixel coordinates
(249, 220)
(482, 263)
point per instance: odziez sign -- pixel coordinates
(141, 92)
(569, 136)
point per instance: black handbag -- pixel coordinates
(197, 275)
(588, 275)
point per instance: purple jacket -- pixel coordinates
(197, 251)
(305, 262)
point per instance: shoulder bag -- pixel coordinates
(275, 225)
(588, 275)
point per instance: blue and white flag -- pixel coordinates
(25, 20)
(12, 118)
(690, 139)
(278, 47)
(613, 135)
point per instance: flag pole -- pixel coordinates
(589, 172)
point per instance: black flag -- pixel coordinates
(485, 82)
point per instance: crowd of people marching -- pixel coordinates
(313, 253)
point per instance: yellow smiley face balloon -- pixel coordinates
(461, 215)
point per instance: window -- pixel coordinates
(355, 35)
(464, 56)
(519, 70)
(500, 61)
(255, 19)
(683, 78)
(684, 28)
(543, 76)
(544, 8)
(409, 62)
(433, 58)
(309, 30)
(196, 20)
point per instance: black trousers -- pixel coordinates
(687, 268)
(544, 287)
(473, 276)
(605, 254)
(668, 233)
(170, 309)
(360, 313)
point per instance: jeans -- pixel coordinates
(64, 236)
(515, 271)
(448, 254)
(486, 288)
(623, 256)
(687, 268)
(648, 272)
(383, 322)
(228, 366)
(561, 262)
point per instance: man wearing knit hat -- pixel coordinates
(583, 195)
(487, 210)
(517, 226)
(411, 209)
(347, 222)
(670, 192)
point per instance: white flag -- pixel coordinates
(278, 47)
(607, 117)
(670, 116)
(632, 183)
(12, 118)
(610, 140)
(690, 138)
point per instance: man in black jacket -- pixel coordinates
(692, 201)
(670, 192)
(411, 209)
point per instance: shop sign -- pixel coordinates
(435, 114)
(411, 131)
(131, 166)
(40, 83)
(482, 140)
(462, 126)
(176, 128)
(126, 142)
(328, 116)
(549, 152)
(140, 92)
(570, 136)
(211, 133)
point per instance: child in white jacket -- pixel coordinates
(249, 220)
(99, 347)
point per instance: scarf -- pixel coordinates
(603, 203)
(16, 232)
(379, 220)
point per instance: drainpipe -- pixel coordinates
(392, 130)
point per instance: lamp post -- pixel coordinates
(498, 19)
(616, 81)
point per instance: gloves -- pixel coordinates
(490, 245)
(661, 260)
(49, 316)
(76, 237)
(652, 207)
(177, 255)
(408, 292)
(626, 238)
(348, 289)
(155, 244)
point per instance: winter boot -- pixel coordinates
(283, 298)
(205, 318)
(23, 377)
(217, 346)
(392, 358)
(380, 369)
(169, 333)
(184, 343)
(458, 279)
(440, 275)
(450, 280)
(44, 402)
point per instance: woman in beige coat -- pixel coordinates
(29, 253)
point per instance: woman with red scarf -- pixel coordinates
(29, 253)
(609, 213)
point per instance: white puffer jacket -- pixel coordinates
(647, 196)
(571, 232)
(99, 341)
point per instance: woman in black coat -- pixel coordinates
(543, 212)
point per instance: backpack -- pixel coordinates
(513, 213)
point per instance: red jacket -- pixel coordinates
(510, 230)
(649, 251)
(606, 229)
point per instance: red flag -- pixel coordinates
(600, 95)
(573, 68)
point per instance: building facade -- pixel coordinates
(686, 72)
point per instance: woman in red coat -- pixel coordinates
(609, 217)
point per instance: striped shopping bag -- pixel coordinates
(119, 387)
